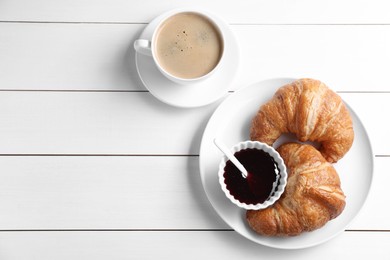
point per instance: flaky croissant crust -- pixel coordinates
(312, 197)
(310, 110)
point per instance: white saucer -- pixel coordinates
(196, 95)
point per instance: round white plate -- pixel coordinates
(195, 95)
(230, 123)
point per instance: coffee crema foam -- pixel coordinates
(188, 45)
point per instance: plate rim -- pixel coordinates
(201, 169)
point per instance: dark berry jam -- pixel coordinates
(263, 172)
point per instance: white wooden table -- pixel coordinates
(92, 166)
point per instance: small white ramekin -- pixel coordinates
(281, 182)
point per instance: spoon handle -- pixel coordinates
(231, 157)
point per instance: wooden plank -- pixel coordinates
(97, 123)
(347, 58)
(68, 56)
(252, 11)
(151, 192)
(101, 56)
(130, 123)
(103, 193)
(364, 107)
(179, 245)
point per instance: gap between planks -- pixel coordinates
(235, 24)
(123, 155)
(158, 230)
(147, 91)
(115, 230)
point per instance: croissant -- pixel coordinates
(312, 196)
(310, 110)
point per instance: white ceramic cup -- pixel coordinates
(148, 46)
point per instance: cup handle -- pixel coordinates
(143, 46)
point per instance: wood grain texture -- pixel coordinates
(104, 193)
(250, 11)
(178, 245)
(97, 123)
(130, 123)
(101, 56)
(69, 90)
(127, 192)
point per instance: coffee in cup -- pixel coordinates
(186, 46)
